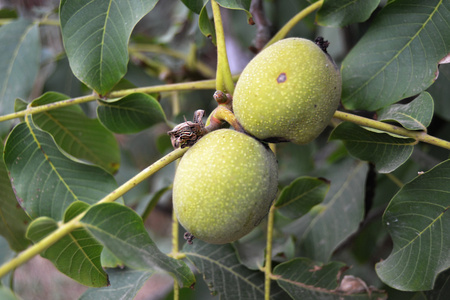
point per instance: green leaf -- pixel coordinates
(46, 180)
(399, 54)
(96, 35)
(225, 275)
(19, 61)
(441, 290)
(125, 283)
(340, 13)
(122, 231)
(415, 115)
(301, 195)
(206, 26)
(77, 254)
(303, 279)
(195, 5)
(385, 151)
(78, 135)
(418, 220)
(340, 213)
(440, 91)
(238, 4)
(13, 219)
(130, 114)
(7, 294)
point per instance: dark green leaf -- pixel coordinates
(418, 220)
(19, 61)
(125, 283)
(122, 231)
(96, 35)
(195, 5)
(301, 195)
(130, 114)
(46, 180)
(303, 279)
(441, 290)
(340, 213)
(236, 4)
(77, 254)
(225, 275)
(20, 104)
(78, 135)
(341, 13)
(415, 115)
(206, 26)
(13, 219)
(398, 55)
(386, 151)
(440, 91)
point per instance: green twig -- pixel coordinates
(292, 22)
(73, 224)
(51, 22)
(417, 135)
(224, 80)
(184, 86)
(268, 264)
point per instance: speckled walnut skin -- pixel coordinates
(288, 92)
(224, 186)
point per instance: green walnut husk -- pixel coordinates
(288, 92)
(224, 186)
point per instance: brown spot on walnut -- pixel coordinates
(282, 78)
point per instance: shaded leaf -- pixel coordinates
(78, 135)
(125, 283)
(19, 61)
(77, 254)
(225, 275)
(13, 219)
(385, 151)
(96, 36)
(45, 180)
(339, 214)
(195, 5)
(418, 220)
(238, 4)
(441, 290)
(301, 278)
(130, 114)
(7, 294)
(398, 55)
(122, 231)
(206, 26)
(415, 115)
(440, 91)
(341, 13)
(301, 195)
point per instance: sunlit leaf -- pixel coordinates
(301, 195)
(46, 181)
(345, 12)
(124, 284)
(77, 254)
(340, 213)
(418, 220)
(13, 219)
(78, 135)
(225, 275)
(19, 61)
(399, 54)
(130, 114)
(385, 151)
(96, 35)
(122, 231)
(415, 115)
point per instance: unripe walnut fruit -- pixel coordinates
(224, 186)
(288, 92)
